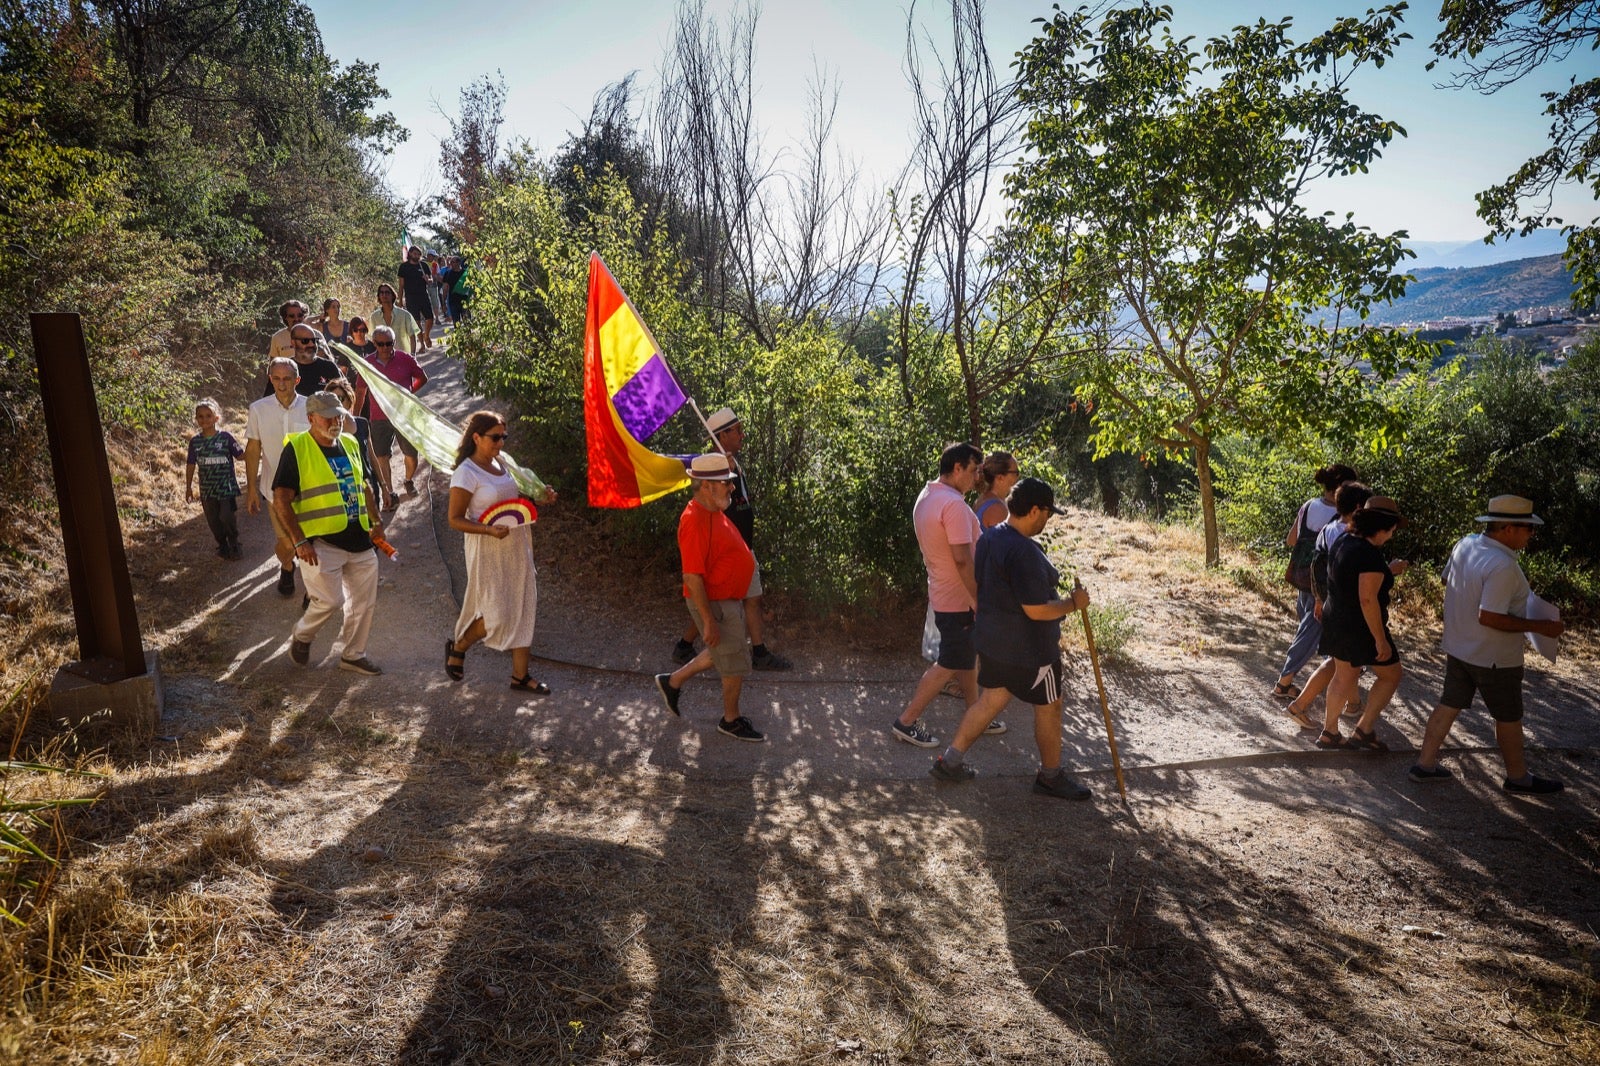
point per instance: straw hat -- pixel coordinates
(711, 468)
(1516, 509)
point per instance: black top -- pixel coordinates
(1012, 570)
(741, 513)
(414, 278)
(352, 538)
(313, 376)
(1345, 634)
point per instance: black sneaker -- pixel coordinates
(668, 693)
(362, 665)
(286, 582)
(1061, 786)
(951, 773)
(411, 487)
(770, 660)
(299, 651)
(1418, 772)
(683, 651)
(740, 729)
(914, 734)
(1533, 786)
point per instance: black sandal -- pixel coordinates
(1331, 740)
(1366, 741)
(455, 662)
(526, 683)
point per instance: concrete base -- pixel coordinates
(131, 705)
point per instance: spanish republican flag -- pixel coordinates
(628, 394)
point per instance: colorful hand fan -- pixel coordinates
(515, 512)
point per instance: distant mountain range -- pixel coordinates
(1482, 290)
(1476, 253)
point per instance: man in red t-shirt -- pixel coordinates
(717, 568)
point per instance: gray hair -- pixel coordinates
(284, 360)
(383, 331)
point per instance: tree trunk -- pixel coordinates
(1208, 501)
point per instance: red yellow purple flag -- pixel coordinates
(628, 394)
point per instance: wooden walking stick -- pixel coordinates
(1105, 707)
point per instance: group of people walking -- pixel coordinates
(318, 452)
(1344, 577)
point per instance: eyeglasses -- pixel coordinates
(496, 437)
(383, 344)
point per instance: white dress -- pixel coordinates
(502, 587)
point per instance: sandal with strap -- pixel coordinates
(455, 662)
(1301, 718)
(1288, 691)
(526, 683)
(1366, 741)
(1329, 739)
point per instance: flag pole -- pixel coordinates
(1105, 707)
(717, 443)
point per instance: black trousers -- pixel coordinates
(222, 515)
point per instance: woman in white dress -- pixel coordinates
(502, 589)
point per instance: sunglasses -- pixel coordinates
(383, 344)
(305, 340)
(496, 437)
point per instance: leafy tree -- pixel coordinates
(469, 157)
(1210, 300)
(1498, 43)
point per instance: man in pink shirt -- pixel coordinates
(399, 367)
(947, 533)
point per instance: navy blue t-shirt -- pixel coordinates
(1013, 570)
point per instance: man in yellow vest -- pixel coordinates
(322, 493)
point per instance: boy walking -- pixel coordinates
(212, 452)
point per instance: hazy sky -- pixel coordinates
(556, 56)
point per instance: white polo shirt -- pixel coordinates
(1483, 574)
(271, 423)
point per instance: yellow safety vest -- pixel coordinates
(319, 505)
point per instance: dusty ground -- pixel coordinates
(310, 867)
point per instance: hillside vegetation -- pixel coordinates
(1542, 281)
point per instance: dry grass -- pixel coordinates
(306, 886)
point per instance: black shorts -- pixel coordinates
(383, 436)
(419, 305)
(956, 649)
(1500, 687)
(1038, 685)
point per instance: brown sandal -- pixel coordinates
(1331, 740)
(1366, 741)
(1301, 718)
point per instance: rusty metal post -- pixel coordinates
(109, 646)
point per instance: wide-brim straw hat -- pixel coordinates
(711, 468)
(1514, 509)
(721, 420)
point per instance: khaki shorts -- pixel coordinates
(731, 656)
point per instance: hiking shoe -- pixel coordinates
(914, 734)
(1061, 786)
(668, 693)
(300, 651)
(951, 773)
(286, 582)
(411, 487)
(770, 660)
(683, 652)
(1418, 772)
(740, 729)
(362, 665)
(1533, 786)
(995, 728)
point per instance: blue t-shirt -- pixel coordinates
(1013, 570)
(213, 456)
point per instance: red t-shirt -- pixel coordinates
(712, 547)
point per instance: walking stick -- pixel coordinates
(1105, 707)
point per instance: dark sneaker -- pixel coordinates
(411, 487)
(1061, 786)
(914, 734)
(668, 693)
(299, 651)
(770, 660)
(996, 727)
(1419, 772)
(362, 665)
(286, 582)
(683, 651)
(951, 773)
(1533, 786)
(305, 601)
(740, 729)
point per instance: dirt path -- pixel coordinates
(401, 869)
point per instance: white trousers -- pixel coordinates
(340, 579)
